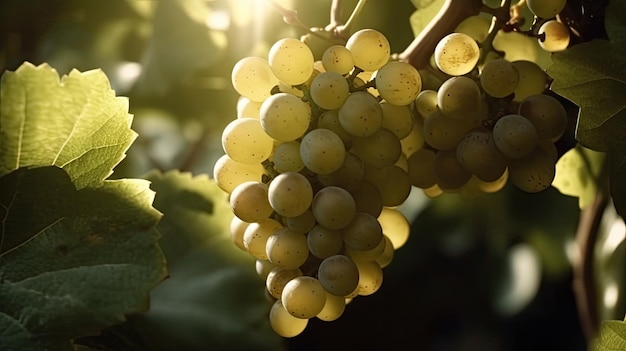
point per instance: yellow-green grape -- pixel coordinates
(287, 249)
(534, 172)
(387, 256)
(546, 8)
(263, 268)
(444, 133)
(368, 199)
(415, 140)
(339, 275)
(349, 176)
(256, 234)
(322, 151)
(237, 228)
(547, 114)
(515, 136)
(396, 226)
(245, 141)
(287, 158)
(333, 207)
(248, 108)
(363, 232)
(556, 36)
(277, 278)
(492, 187)
(304, 297)
(252, 77)
(370, 277)
(290, 194)
(283, 323)
(333, 309)
(229, 173)
(285, 117)
(458, 96)
(533, 80)
(403, 163)
(366, 255)
(324, 242)
(248, 201)
(302, 223)
(329, 90)
(380, 149)
(476, 27)
(426, 103)
(499, 78)
(361, 114)
(338, 59)
(370, 49)
(392, 182)
(397, 119)
(457, 54)
(291, 61)
(478, 154)
(516, 46)
(330, 120)
(422, 168)
(450, 173)
(398, 83)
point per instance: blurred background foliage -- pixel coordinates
(484, 272)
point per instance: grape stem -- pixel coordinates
(339, 29)
(501, 16)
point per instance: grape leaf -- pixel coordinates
(72, 261)
(577, 173)
(75, 122)
(612, 337)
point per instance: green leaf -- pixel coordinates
(75, 122)
(577, 174)
(72, 261)
(612, 337)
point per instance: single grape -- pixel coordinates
(515, 136)
(248, 201)
(361, 114)
(283, 323)
(333, 207)
(330, 120)
(547, 114)
(458, 97)
(366, 255)
(444, 133)
(398, 83)
(368, 199)
(426, 103)
(338, 58)
(476, 27)
(534, 172)
(380, 149)
(339, 275)
(533, 80)
(248, 108)
(349, 176)
(457, 54)
(237, 228)
(329, 90)
(302, 223)
(324, 242)
(415, 140)
(397, 119)
(245, 141)
(277, 278)
(370, 49)
(363, 232)
(556, 36)
(422, 168)
(499, 78)
(333, 309)
(387, 256)
(287, 249)
(252, 77)
(370, 277)
(285, 117)
(287, 158)
(322, 151)
(263, 268)
(256, 234)
(478, 154)
(395, 225)
(450, 173)
(290, 194)
(392, 182)
(229, 173)
(546, 8)
(304, 297)
(291, 61)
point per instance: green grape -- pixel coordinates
(329, 90)
(370, 49)
(395, 225)
(403, 163)
(229, 173)
(302, 223)
(349, 176)
(287, 158)
(397, 119)
(478, 154)
(556, 34)
(330, 120)
(322, 151)
(290, 194)
(256, 234)
(515, 136)
(477, 27)
(361, 114)
(339, 275)
(248, 108)
(366, 255)
(545, 8)
(285, 117)
(363, 232)
(534, 172)
(283, 323)
(245, 141)
(287, 249)
(415, 140)
(324, 242)
(398, 83)
(450, 173)
(252, 77)
(248, 201)
(370, 277)
(547, 114)
(422, 168)
(392, 182)
(533, 80)
(333, 207)
(380, 149)
(368, 199)
(516, 46)
(338, 59)
(237, 228)
(278, 277)
(291, 61)
(456, 54)
(304, 297)
(499, 78)
(426, 103)
(333, 309)
(458, 96)
(387, 256)
(444, 133)
(263, 268)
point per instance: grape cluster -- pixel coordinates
(316, 166)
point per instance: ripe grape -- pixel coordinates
(285, 117)
(397, 119)
(533, 80)
(245, 141)
(458, 96)
(291, 61)
(303, 297)
(547, 114)
(457, 54)
(339, 275)
(499, 78)
(361, 114)
(349, 176)
(333, 207)
(256, 234)
(363, 232)
(534, 172)
(290, 194)
(370, 49)
(478, 154)
(229, 173)
(333, 308)
(426, 103)
(283, 323)
(380, 149)
(368, 199)
(370, 277)
(422, 168)
(556, 34)
(252, 77)
(329, 90)
(324, 242)
(515, 136)
(248, 201)
(338, 58)
(277, 278)
(450, 173)
(287, 158)
(398, 83)
(287, 249)
(322, 151)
